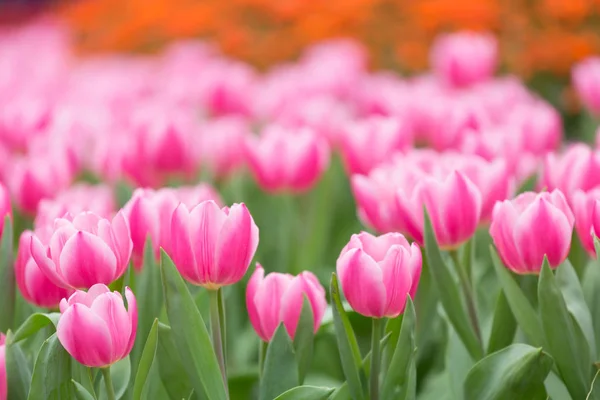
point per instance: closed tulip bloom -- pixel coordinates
(586, 79)
(3, 379)
(95, 327)
(279, 298)
(586, 208)
(34, 285)
(378, 272)
(464, 58)
(577, 168)
(5, 208)
(84, 251)
(283, 160)
(212, 246)
(531, 226)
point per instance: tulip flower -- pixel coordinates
(284, 160)
(149, 214)
(378, 272)
(531, 226)
(278, 298)
(577, 168)
(586, 208)
(217, 153)
(212, 246)
(5, 208)
(95, 327)
(33, 284)
(464, 58)
(3, 378)
(586, 79)
(84, 251)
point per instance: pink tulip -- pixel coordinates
(3, 378)
(577, 168)
(464, 58)
(586, 208)
(539, 125)
(33, 284)
(95, 327)
(279, 298)
(586, 79)
(530, 226)
(378, 272)
(84, 251)
(5, 208)
(367, 143)
(149, 214)
(78, 198)
(217, 151)
(212, 246)
(287, 160)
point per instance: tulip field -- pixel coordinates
(180, 225)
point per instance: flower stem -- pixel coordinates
(262, 353)
(215, 326)
(465, 282)
(375, 358)
(110, 391)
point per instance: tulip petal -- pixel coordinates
(132, 312)
(86, 260)
(268, 302)
(397, 279)
(253, 284)
(181, 247)
(110, 307)
(206, 221)
(45, 264)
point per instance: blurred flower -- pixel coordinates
(531, 226)
(210, 246)
(378, 272)
(5, 208)
(95, 327)
(221, 144)
(84, 250)
(586, 79)
(586, 208)
(279, 298)
(577, 168)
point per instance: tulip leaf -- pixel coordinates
(83, 376)
(51, 377)
(190, 335)
(568, 282)
(17, 370)
(7, 276)
(170, 367)
(347, 344)
(146, 361)
(565, 341)
(304, 340)
(504, 325)
(80, 392)
(395, 382)
(149, 297)
(516, 372)
(591, 292)
(522, 310)
(34, 323)
(280, 370)
(393, 327)
(306, 393)
(450, 294)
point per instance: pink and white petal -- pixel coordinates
(206, 221)
(416, 266)
(86, 260)
(45, 264)
(253, 284)
(110, 307)
(397, 278)
(268, 302)
(181, 248)
(124, 245)
(132, 312)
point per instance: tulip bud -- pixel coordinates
(84, 251)
(531, 226)
(212, 246)
(35, 287)
(586, 79)
(586, 208)
(279, 298)
(95, 327)
(378, 272)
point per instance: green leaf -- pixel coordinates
(7, 277)
(591, 292)
(80, 392)
(565, 342)
(52, 372)
(395, 382)
(521, 308)
(280, 370)
(17, 370)
(306, 393)
(568, 282)
(450, 294)
(392, 328)
(504, 325)
(83, 376)
(347, 345)
(304, 339)
(516, 372)
(34, 323)
(170, 367)
(190, 334)
(120, 372)
(146, 361)
(149, 296)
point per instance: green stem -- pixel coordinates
(375, 358)
(110, 391)
(215, 326)
(465, 282)
(262, 353)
